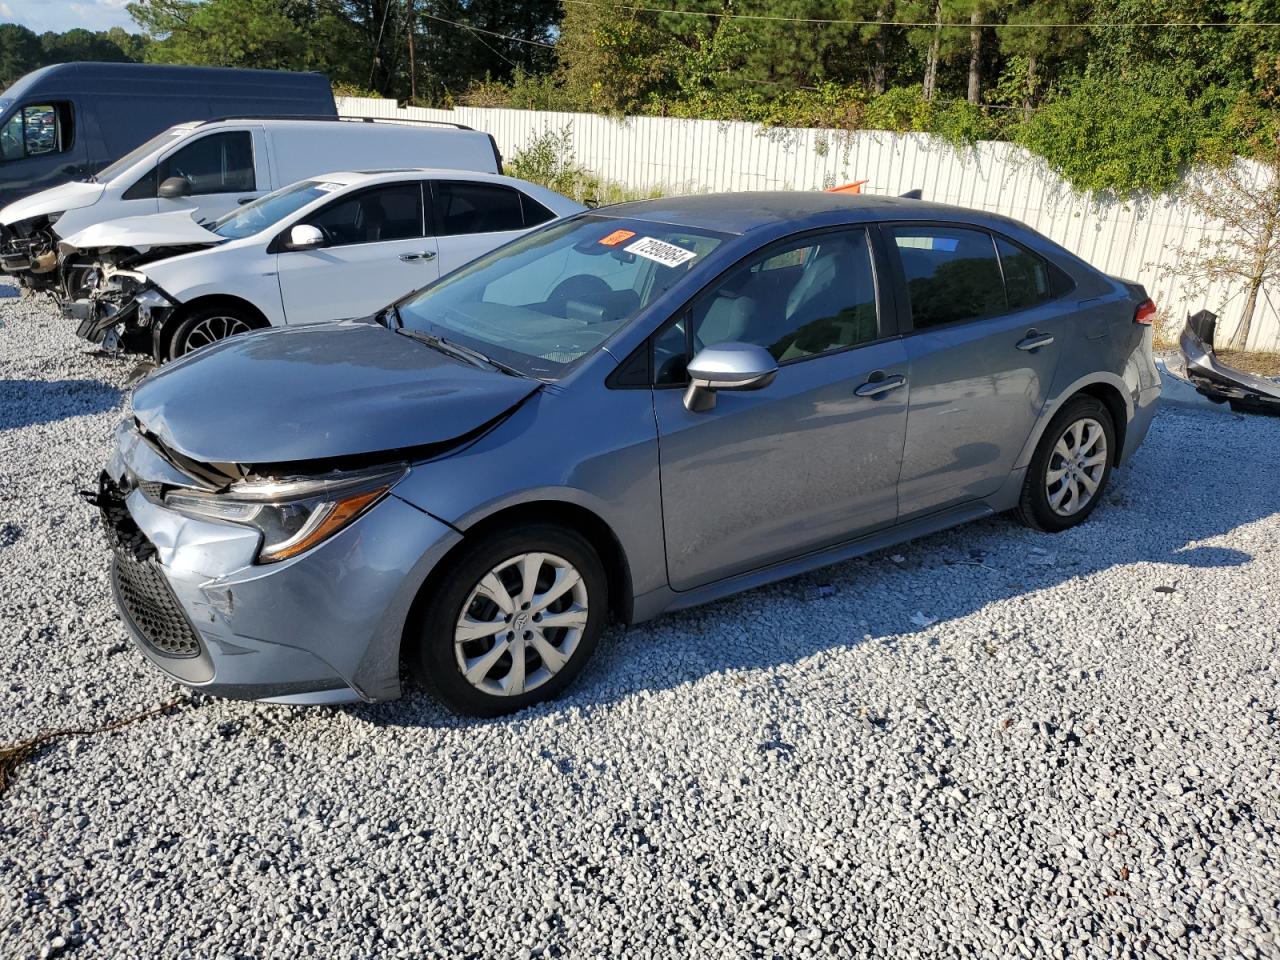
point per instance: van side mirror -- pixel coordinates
(305, 237)
(727, 366)
(174, 188)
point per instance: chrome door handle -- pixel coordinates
(424, 255)
(874, 388)
(1034, 341)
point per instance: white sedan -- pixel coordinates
(338, 246)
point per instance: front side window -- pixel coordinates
(952, 274)
(36, 130)
(372, 216)
(547, 299)
(462, 207)
(269, 210)
(219, 163)
(796, 299)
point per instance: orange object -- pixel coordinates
(615, 238)
(855, 187)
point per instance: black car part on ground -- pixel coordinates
(1245, 392)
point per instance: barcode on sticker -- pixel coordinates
(659, 251)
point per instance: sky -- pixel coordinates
(60, 15)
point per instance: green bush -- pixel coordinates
(1127, 135)
(549, 160)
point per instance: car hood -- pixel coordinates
(67, 196)
(174, 229)
(323, 391)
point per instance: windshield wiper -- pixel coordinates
(455, 350)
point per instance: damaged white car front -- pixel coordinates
(118, 305)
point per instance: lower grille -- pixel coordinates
(152, 608)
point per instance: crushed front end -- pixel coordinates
(29, 250)
(118, 307)
(227, 599)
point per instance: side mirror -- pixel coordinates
(305, 237)
(174, 188)
(727, 366)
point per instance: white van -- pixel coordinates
(208, 167)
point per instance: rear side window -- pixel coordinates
(952, 274)
(1029, 279)
(462, 207)
(372, 216)
(219, 163)
(36, 130)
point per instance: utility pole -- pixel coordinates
(413, 67)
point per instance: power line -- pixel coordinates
(500, 36)
(821, 21)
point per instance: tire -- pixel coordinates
(1057, 501)
(208, 325)
(468, 590)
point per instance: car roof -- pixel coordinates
(349, 178)
(742, 212)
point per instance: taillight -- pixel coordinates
(1146, 313)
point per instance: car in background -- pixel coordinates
(209, 167)
(340, 246)
(67, 121)
(637, 409)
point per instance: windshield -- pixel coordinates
(137, 153)
(265, 211)
(542, 302)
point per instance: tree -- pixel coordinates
(1245, 199)
(226, 33)
(20, 52)
(1042, 50)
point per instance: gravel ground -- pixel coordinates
(987, 743)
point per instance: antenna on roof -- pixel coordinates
(916, 194)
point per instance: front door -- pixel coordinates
(376, 252)
(987, 334)
(810, 460)
(223, 169)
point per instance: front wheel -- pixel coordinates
(1070, 468)
(513, 620)
(209, 325)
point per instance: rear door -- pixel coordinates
(987, 326)
(813, 458)
(472, 217)
(376, 251)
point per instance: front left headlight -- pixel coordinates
(55, 217)
(292, 515)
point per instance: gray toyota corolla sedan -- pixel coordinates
(635, 410)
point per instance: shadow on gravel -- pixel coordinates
(1198, 477)
(26, 403)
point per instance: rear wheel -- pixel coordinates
(513, 621)
(209, 325)
(1069, 471)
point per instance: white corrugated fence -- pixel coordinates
(1128, 239)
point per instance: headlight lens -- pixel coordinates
(292, 515)
(55, 217)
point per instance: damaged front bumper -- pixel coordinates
(1245, 392)
(322, 627)
(28, 250)
(119, 303)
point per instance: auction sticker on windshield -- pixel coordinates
(659, 251)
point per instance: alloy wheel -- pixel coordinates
(521, 624)
(212, 329)
(1076, 466)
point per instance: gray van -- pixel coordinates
(68, 121)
